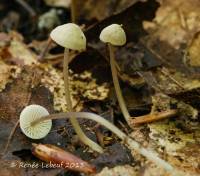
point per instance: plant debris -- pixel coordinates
(158, 70)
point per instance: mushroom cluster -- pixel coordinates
(35, 121)
(71, 37)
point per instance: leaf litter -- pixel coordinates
(176, 24)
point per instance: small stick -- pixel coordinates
(10, 137)
(46, 48)
(153, 117)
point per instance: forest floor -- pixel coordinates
(158, 68)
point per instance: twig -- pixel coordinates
(153, 117)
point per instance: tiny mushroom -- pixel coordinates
(29, 115)
(114, 35)
(71, 37)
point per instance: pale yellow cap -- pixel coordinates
(113, 34)
(69, 36)
(30, 114)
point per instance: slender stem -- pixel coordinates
(126, 139)
(73, 120)
(73, 11)
(117, 86)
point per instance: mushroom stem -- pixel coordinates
(73, 120)
(73, 11)
(117, 86)
(126, 139)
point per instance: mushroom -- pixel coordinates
(71, 37)
(114, 35)
(30, 114)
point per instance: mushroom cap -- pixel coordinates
(69, 36)
(113, 34)
(30, 114)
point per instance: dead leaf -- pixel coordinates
(8, 168)
(176, 22)
(4, 74)
(137, 13)
(116, 154)
(19, 51)
(82, 85)
(176, 144)
(188, 157)
(13, 94)
(99, 10)
(171, 33)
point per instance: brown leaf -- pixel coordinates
(99, 10)
(8, 168)
(177, 21)
(132, 25)
(4, 74)
(18, 91)
(171, 33)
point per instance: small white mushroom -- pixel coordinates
(70, 36)
(30, 114)
(114, 35)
